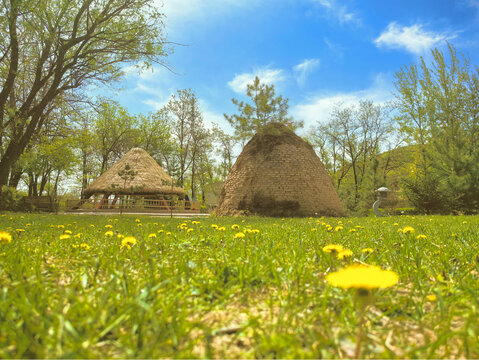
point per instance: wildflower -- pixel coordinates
(78, 235)
(222, 228)
(453, 235)
(5, 238)
(421, 237)
(109, 233)
(68, 232)
(64, 237)
(151, 236)
(353, 230)
(182, 226)
(108, 226)
(363, 277)
(239, 235)
(120, 236)
(168, 233)
(367, 250)
(314, 229)
(91, 225)
(214, 226)
(137, 220)
(19, 230)
(189, 230)
(255, 231)
(408, 230)
(160, 231)
(338, 228)
(344, 254)
(431, 297)
(128, 242)
(329, 227)
(28, 224)
(61, 226)
(395, 224)
(464, 222)
(332, 248)
(235, 227)
(85, 246)
(195, 222)
(139, 225)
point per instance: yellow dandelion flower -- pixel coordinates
(235, 227)
(314, 229)
(453, 235)
(108, 226)
(137, 220)
(109, 233)
(189, 230)
(28, 224)
(367, 250)
(19, 230)
(338, 228)
(421, 237)
(464, 222)
(160, 231)
(395, 224)
(431, 297)
(120, 236)
(139, 225)
(195, 222)
(255, 231)
(168, 233)
(408, 230)
(128, 242)
(78, 235)
(344, 254)
(353, 230)
(151, 236)
(91, 225)
(362, 277)
(61, 226)
(64, 237)
(329, 227)
(239, 235)
(85, 246)
(5, 238)
(222, 228)
(68, 232)
(333, 248)
(214, 226)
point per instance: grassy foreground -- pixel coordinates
(68, 288)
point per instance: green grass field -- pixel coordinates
(68, 288)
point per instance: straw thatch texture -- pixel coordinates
(150, 179)
(279, 174)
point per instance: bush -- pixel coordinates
(12, 200)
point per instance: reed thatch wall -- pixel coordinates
(279, 174)
(150, 178)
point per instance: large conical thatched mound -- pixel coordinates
(279, 174)
(150, 178)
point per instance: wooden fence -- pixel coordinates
(133, 205)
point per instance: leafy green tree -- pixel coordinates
(51, 48)
(265, 108)
(349, 145)
(439, 108)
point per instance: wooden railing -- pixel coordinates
(128, 205)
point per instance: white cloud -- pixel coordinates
(185, 12)
(411, 38)
(339, 11)
(265, 74)
(318, 108)
(305, 68)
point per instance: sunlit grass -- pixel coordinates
(143, 287)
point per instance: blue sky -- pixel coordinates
(317, 53)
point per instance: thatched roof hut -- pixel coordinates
(149, 178)
(279, 174)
